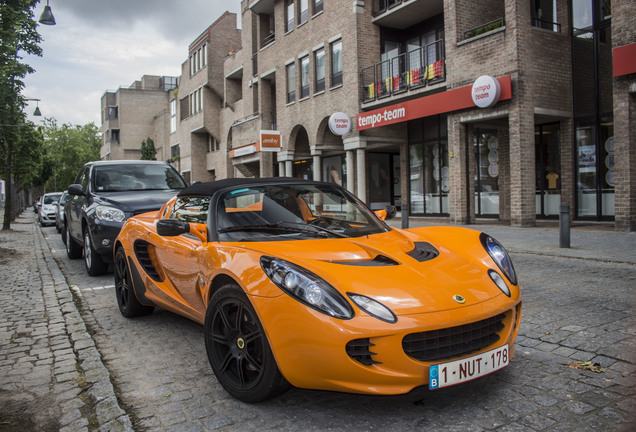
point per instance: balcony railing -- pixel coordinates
(381, 6)
(418, 68)
(548, 25)
(270, 38)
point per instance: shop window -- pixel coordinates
(548, 170)
(486, 156)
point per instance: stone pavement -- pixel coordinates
(52, 377)
(51, 374)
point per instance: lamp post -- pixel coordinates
(47, 17)
(37, 111)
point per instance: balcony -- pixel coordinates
(413, 70)
(401, 14)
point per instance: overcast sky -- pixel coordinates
(100, 45)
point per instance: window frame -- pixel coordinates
(319, 83)
(303, 12)
(304, 77)
(336, 76)
(290, 19)
(290, 77)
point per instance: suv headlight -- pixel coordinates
(499, 255)
(306, 287)
(109, 214)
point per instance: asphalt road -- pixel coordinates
(574, 311)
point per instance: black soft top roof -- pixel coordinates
(209, 188)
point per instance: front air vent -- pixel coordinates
(454, 341)
(360, 351)
(423, 252)
(143, 256)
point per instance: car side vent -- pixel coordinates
(423, 252)
(142, 254)
(360, 351)
(379, 261)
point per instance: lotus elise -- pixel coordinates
(298, 283)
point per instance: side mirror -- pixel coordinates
(172, 227)
(386, 214)
(75, 189)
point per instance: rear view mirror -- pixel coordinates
(75, 189)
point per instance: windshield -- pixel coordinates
(293, 212)
(136, 177)
(50, 199)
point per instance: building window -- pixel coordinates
(544, 14)
(336, 64)
(196, 101)
(317, 6)
(303, 11)
(291, 82)
(289, 15)
(114, 135)
(198, 59)
(112, 112)
(319, 62)
(173, 116)
(304, 77)
(213, 144)
(175, 153)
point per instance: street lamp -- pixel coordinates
(47, 16)
(37, 111)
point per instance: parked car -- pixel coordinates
(36, 204)
(107, 193)
(48, 208)
(299, 283)
(59, 213)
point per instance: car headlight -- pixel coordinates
(373, 308)
(499, 256)
(109, 214)
(306, 287)
(499, 281)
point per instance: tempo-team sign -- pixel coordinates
(339, 123)
(486, 91)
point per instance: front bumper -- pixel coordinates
(311, 348)
(103, 235)
(47, 217)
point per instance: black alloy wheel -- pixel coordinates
(127, 301)
(238, 350)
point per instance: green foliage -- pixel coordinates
(484, 28)
(66, 150)
(148, 150)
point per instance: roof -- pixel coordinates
(209, 188)
(126, 162)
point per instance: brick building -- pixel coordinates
(460, 110)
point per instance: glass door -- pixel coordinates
(486, 147)
(548, 169)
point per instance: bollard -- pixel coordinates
(564, 226)
(405, 215)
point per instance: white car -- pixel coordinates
(46, 215)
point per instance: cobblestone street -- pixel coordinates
(80, 365)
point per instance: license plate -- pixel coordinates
(459, 371)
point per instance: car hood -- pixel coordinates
(389, 268)
(136, 202)
(46, 208)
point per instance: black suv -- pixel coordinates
(106, 194)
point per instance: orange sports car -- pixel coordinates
(298, 283)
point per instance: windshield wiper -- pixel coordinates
(297, 227)
(311, 228)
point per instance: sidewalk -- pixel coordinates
(51, 374)
(587, 241)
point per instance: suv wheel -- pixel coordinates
(95, 265)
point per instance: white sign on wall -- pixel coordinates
(486, 91)
(339, 123)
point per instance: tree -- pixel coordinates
(148, 150)
(18, 36)
(66, 150)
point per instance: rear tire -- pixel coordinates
(127, 301)
(238, 350)
(73, 249)
(95, 265)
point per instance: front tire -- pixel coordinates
(238, 350)
(95, 265)
(128, 304)
(73, 249)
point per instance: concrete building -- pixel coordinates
(132, 114)
(450, 109)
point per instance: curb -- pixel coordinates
(94, 377)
